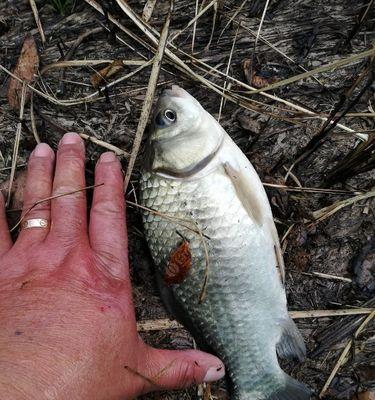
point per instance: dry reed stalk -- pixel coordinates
(146, 108)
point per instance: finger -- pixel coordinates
(68, 212)
(177, 369)
(38, 187)
(107, 229)
(5, 239)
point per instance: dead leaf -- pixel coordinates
(369, 395)
(16, 202)
(26, 69)
(18, 188)
(105, 73)
(254, 76)
(179, 264)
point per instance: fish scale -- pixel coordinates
(228, 314)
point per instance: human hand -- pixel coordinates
(67, 324)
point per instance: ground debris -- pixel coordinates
(26, 68)
(295, 37)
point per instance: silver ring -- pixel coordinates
(34, 223)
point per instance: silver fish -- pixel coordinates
(198, 179)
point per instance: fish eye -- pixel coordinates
(170, 115)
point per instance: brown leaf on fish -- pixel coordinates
(179, 264)
(26, 69)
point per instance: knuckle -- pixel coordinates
(39, 164)
(108, 208)
(72, 161)
(111, 171)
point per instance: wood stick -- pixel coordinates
(166, 323)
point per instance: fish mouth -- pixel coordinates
(176, 91)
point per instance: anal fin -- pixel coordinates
(291, 344)
(292, 390)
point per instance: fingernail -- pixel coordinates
(70, 138)
(43, 150)
(108, 157)
(214, 374)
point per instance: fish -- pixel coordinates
(200, 194)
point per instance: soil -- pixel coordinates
(310, 34)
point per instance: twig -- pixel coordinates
(227, 72)
(287, 233)
(309, 189)
(79, 40)
(331, 66)
(48, 199)
(232, 18)
(146, 108)
(213, 26)
(86, 63)
(157, 325)
(333, 120)
(85, 136)
(194, 27)
(106, 145)
(71, 51)
(166, 323)
(37, 20)
(8, 168)
(148, 10)
(181, 65)
(180, 221)
(268, 43)
(358, 160)
(326, 212)
(17, 141)
(67, 103)
(327, 276)
(363, 16)
(257, 36)
(329, 313)
(32, 119)
(342, 359)
(192, 21)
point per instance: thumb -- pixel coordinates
(177, 369)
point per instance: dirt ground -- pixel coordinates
(272, 133)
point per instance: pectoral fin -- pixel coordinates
(251, 194)
(248, 197)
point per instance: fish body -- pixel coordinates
(196, 178)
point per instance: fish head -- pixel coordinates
(183, 134)
(176, 113)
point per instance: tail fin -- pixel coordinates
(292, 390)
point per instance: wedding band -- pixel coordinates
(34, 223)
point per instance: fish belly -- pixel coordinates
(244, 300)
